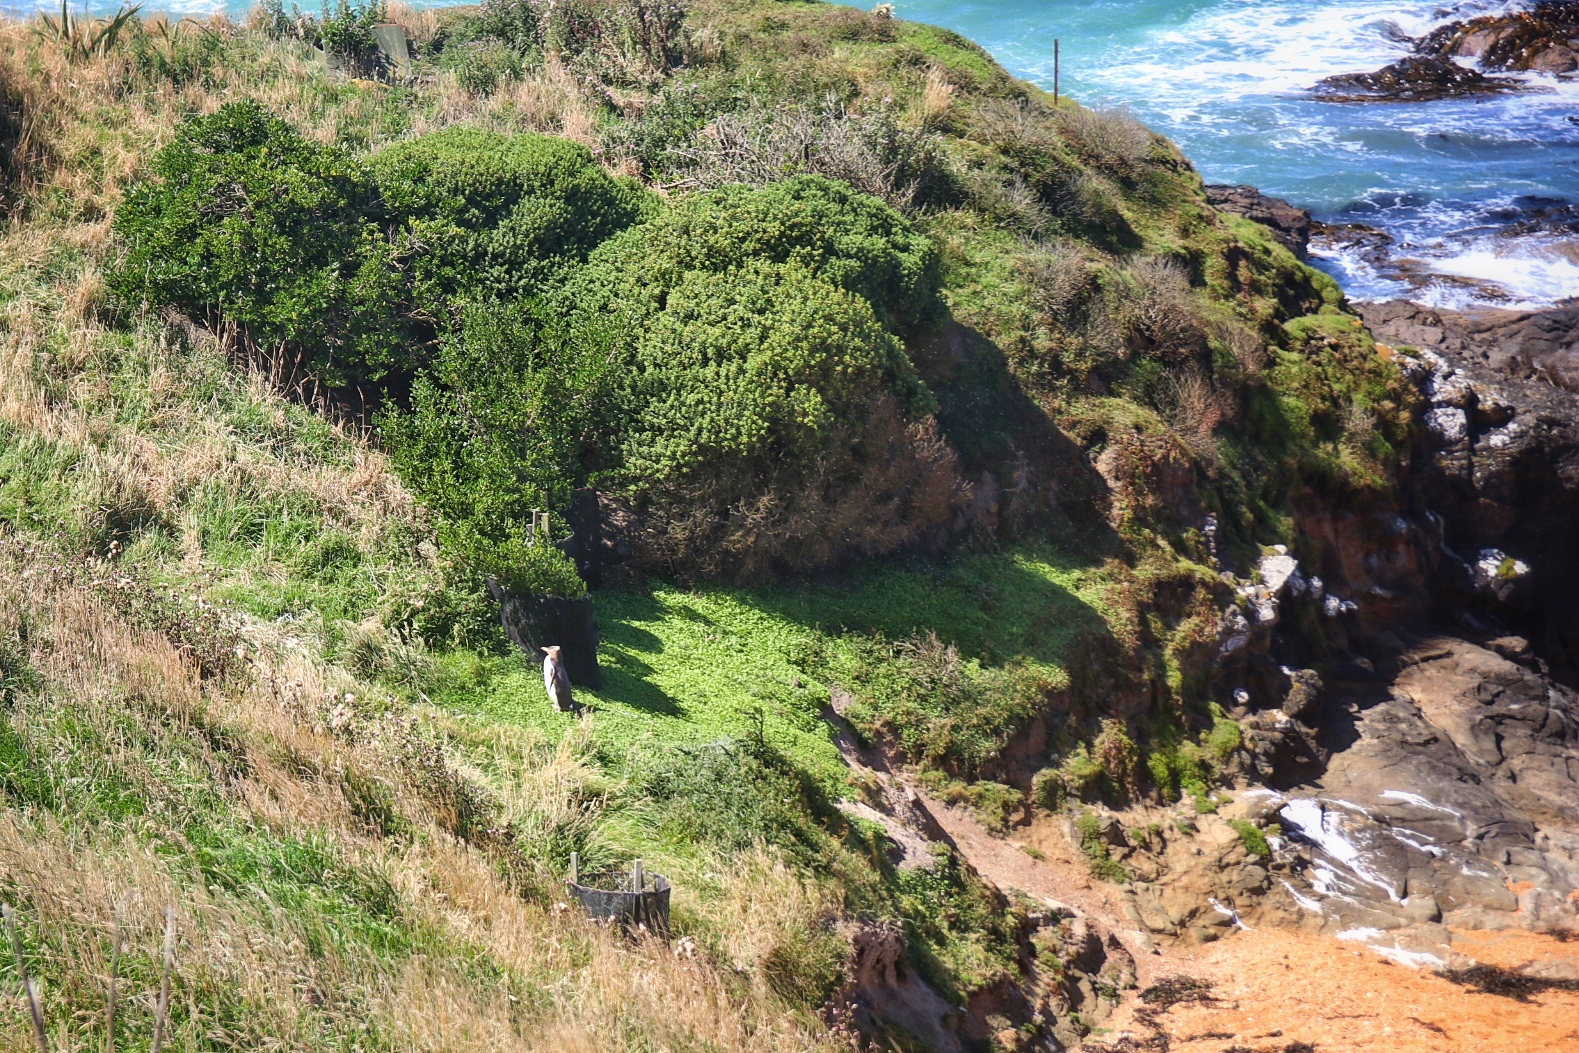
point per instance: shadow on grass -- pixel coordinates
(626, 680)
(993, 607)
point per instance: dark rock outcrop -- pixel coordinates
(1544, 39)
(534, 622)
(1498, 466)
(1413, 79)
(1290, 225)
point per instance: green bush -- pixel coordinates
(1081, 773)
(1225, 737)
(347, 28)
(995, 804)
(1102, 865)
(1048, 791)
(516, 24)
(481, 66)
(945, 712)
(499, 215)
(1254, 840)
(247, 222)
(777, 426)
(509, 418)
(769, 370)
(843, 237)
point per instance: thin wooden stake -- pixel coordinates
(29, 989)
(575, 868)
(1055, 71)
(163, 1014)
(37, 1010)
(115, 975)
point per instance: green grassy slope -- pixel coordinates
(239, 679)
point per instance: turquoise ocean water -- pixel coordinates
(1480, 198)
(1477, 200)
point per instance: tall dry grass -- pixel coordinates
(290, 748)
(257, 754)
(91, 125)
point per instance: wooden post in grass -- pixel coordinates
(1055, 71)
(162, 1016)
(29, 988)
(575, 868)
(115, 969)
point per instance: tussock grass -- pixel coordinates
(238, 679)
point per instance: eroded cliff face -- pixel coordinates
(1497, 468)
(1402, 675)
(1405, 690)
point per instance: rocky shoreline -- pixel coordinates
(1543, 39)
(1420, 752)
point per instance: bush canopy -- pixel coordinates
(730, 364)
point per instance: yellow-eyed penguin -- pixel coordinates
(557, 680)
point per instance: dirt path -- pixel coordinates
(1274, 989)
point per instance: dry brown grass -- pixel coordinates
(937, 96)
(245, 958)
(1108, 139)
(1161, 317)
(188, 448)
(421, 24)
(91, 126)
(1196, 408)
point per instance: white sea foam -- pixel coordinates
(1416, 800)
(1413, 959)
(1327, 830)
(1304, 901)
(1227, 912)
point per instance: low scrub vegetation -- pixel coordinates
(900, 391)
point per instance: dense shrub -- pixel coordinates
(765, 369)
(731, 363)
(844, 237)
(482, 66)
(942, 710)
(347, 29)
(515, 23)
(674, 114)
(507, 420)
(246, 221)
(780, 427)
(499, 215)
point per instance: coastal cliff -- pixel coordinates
(1003, 573)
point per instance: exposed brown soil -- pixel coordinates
(1269, 990)
(1275, 987)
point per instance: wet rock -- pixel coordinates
(1542, 39)
(1498, 574)
(1282, 750)
(1289, 225)
(1303, 699)
(1413, 79)
(1460, 787)
(1503, 474)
